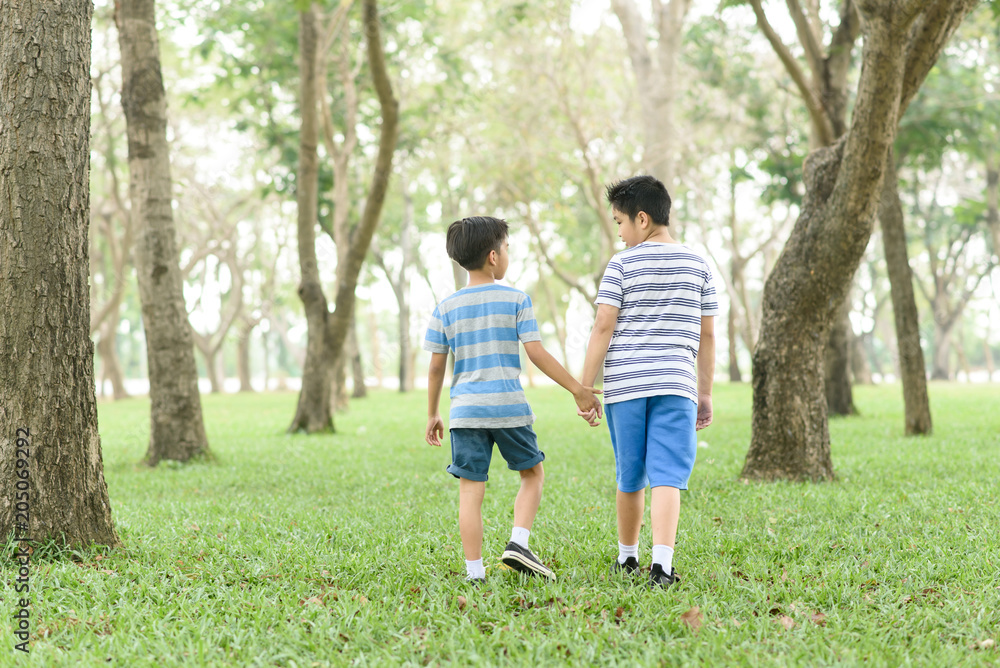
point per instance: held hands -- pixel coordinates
(588, 406)
(435, 430)
(704, 411)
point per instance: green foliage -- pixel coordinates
(344, 549)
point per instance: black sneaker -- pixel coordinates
(629, 567)
(659, 578)
(521, 559)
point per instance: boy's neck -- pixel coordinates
(660, 234)
(480, 277)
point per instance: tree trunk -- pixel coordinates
(313, 412)
(837, 364)
(48, 411)
(963, 361)
(328, 332)
(941, 362)
(376, 346)
(211, 359)
(861, 371)
(111, 367)
(243, 357)
(657, 82)
(904, 306)
(993, 199)
(988, 357)
(734, 368)
(177, 431)
(790, 438)
(359, 391)
(343, 314)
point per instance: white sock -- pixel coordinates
(520, 535)
(626, 551)
(475, 569)
(663, 555)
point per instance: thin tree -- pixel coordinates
(49, 443)
(917, 407)
(327, 331)
(177, 429)
(790, 437)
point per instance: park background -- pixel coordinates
(254, 543)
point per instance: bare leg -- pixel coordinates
(470, 517)
(630, 507)
(529, 496)
(665, 509)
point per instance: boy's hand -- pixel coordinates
(588, 405)
(435, 430)
(704, 411)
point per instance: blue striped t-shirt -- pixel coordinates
(662, 291)
(483, 325)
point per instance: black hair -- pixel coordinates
(470, 240)
(641, 193)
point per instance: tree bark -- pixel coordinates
(904, 306)
(861, 371)
(790, 438)
(360, 390)
(48, 412)
(177, 429)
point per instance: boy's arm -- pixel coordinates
(600, 339)
(584, 396)
(706, 371)
(435, 381)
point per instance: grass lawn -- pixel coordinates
(344, 549)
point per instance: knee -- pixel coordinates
(535, 475)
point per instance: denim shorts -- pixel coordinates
(472, 449)
(654, 441)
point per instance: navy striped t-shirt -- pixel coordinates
(662, 292)
(483, 325)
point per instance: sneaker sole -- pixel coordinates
(519, 563)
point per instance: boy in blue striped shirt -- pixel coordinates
(482, 324)
(654, 332)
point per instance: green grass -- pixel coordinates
(344, 549)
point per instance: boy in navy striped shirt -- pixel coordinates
(482, 324)
(654, 332)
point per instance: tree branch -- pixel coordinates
(817, 112)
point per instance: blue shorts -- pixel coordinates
(472, 449)
(654, 441)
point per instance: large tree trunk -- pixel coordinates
(177, 431)
(791, 437)
(837, 364)
(48, 412)
(993, 199)
(904, 306)
(861, 371)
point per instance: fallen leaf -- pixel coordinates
(315, 600)
(692, 619)
(787, 622)
(819, 619)
(985, 644)
(619, 612)
(461, 602)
